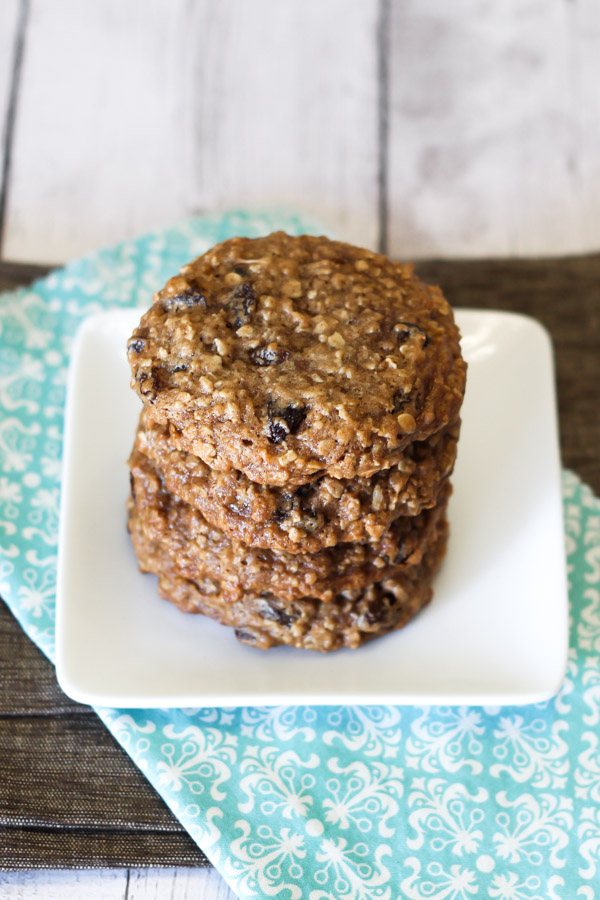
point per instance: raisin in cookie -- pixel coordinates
(264, 620)
(284, 357)
(204, 552)
(311, 516)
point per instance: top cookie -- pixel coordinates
(288, 356)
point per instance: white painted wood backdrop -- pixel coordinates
(424, 127)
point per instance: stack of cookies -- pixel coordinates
(290, 473)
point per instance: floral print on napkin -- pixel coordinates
(322, 803)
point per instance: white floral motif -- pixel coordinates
(591, 540)
(456, 884)
(43, 516)
(201, 758)
(10, 496)
(373, 729)
(588, 627)
(278, 722)
(51, 467)
(587, 773)
(265, 861)
(33, 558)
(589, 832)
(6, 570)
(201, 825)
(562, 701)
(573, 526)
(16, 444)
(440, 808)
(38, 594)
(351, 872)
(554, 883)
(365, 795)
(16, 314)
(131, 734)
(10, 499)
(209, 715)
(445, 740)
(586, 891)
(537, 831)
(51, 461)
(276, 778)
(537, 758)
(509, 887)
(20, 382)
(591, 693)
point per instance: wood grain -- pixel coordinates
(9, 47)
(494, 134)
(152, 112)
(108, 885)
(463, 129)
(188, 884)
(285, 109)
(149, 884)
(100, 132)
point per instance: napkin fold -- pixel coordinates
(322, 803)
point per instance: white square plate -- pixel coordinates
(495, 633)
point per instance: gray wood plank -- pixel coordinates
(494, 136)
(286, 110)
(14, 275)
(12, 24)
(103, 88)
(107, 885)
(177, 108)
(135, 884)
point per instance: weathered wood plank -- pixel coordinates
(9, 38)
(9, 16)
(151, 884)
(100, 127)
(14, 275)
(286, 109)
(494, 135)
(584, 68)
(106, 885)
(188, 884)
(150, 112)
(102, 885)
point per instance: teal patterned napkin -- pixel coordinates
(322, 803)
